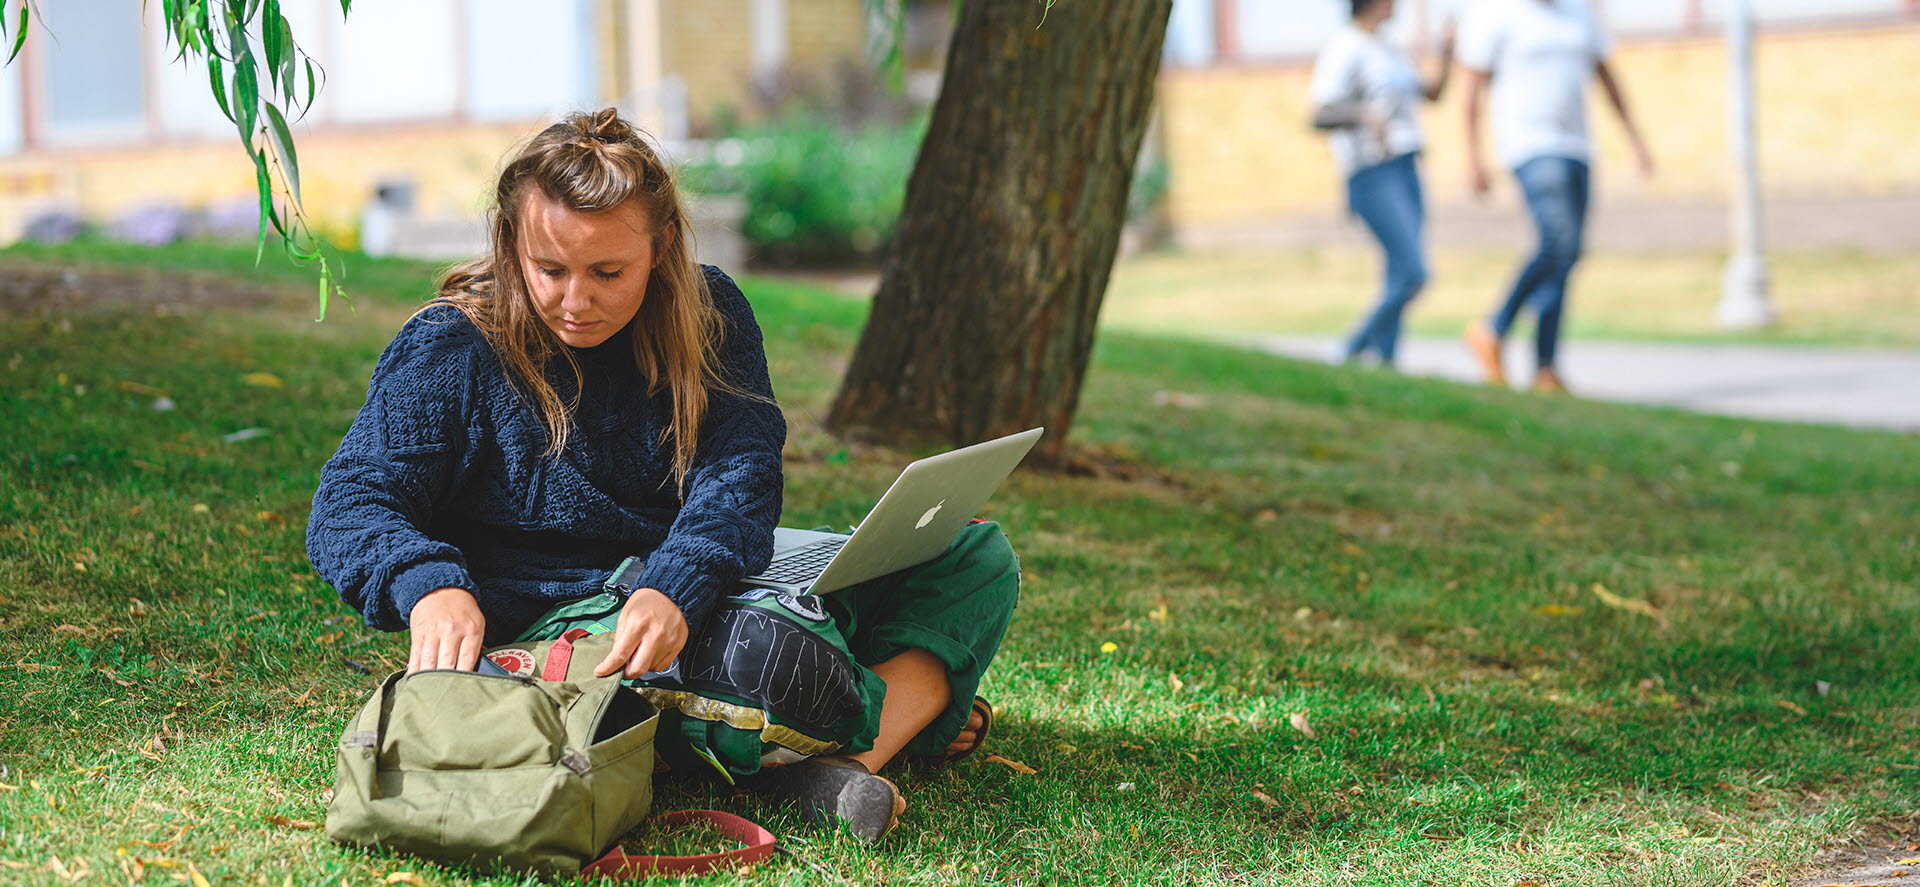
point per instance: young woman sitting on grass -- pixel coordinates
(586, 393)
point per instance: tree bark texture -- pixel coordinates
(984, 321)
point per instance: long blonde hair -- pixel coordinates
(593, 162)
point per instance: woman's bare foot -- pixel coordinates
(1485, 346)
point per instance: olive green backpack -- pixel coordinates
(540, 773)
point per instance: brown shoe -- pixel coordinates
(1486, 349)
(1546, 381)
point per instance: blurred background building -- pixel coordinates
(422, 97)
(419, 101)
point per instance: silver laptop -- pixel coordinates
(911, 524)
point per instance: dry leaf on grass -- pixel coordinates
(1012, 764)
(284, 822)
(1556, 610)
(199, 880)
(263, 380)
(1299, 721)
(1631, 605)
(406, 878)
(1909, 861)
(1265, 798)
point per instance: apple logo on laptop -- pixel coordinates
(928, 517)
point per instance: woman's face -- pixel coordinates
(586, 272)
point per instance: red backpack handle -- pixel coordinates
(759, 843)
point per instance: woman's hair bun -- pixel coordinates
(605, 126)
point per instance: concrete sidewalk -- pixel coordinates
(1863, 388)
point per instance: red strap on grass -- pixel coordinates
(759, 845)
(560, 655)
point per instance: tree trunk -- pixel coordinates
(984, 321)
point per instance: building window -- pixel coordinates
(92, 87)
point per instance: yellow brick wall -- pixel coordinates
(826, 32)
(1839, 113)
(709, 46)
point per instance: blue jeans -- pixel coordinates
(1556, 191)
(1386, 196)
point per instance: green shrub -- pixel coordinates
(817, 194)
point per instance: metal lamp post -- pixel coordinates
(1743, 295)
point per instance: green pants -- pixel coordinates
(956, 607)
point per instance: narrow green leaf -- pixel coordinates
(19, 39)
(170, 15)
(194, 31)
(287, 84)
(219, 79)
(323, 293)
(345, 7)
(266, 202)
(246, 95)
(303, 245)
(311, 85)
(270, 43)
(283, 145)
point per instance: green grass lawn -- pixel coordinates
(1366, 629)
(1830, 297)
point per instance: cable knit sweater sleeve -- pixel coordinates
(405, 452)
(733, 491)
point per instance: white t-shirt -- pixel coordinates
(1356, 66)
(1541, 54)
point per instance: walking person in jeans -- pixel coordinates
(1365, 95)
(1538, 56)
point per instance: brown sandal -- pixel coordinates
(981, 707)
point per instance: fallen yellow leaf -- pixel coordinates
(263, 380)
(1299, 721)
(199, 880)
(405, 878)
(1908, 861)
(1556, 610)
(1012, 764)
(1265, 798)
(284, 822)
(1066, 748)
(1631, 605)
(1158, 614)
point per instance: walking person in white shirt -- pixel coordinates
(1538, 56)
(1366, 95)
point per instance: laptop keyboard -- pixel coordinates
(803, 563)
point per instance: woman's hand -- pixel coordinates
(651, 632)
(1478, 181)
(446, 630)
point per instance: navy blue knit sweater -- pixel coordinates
(442, 482)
